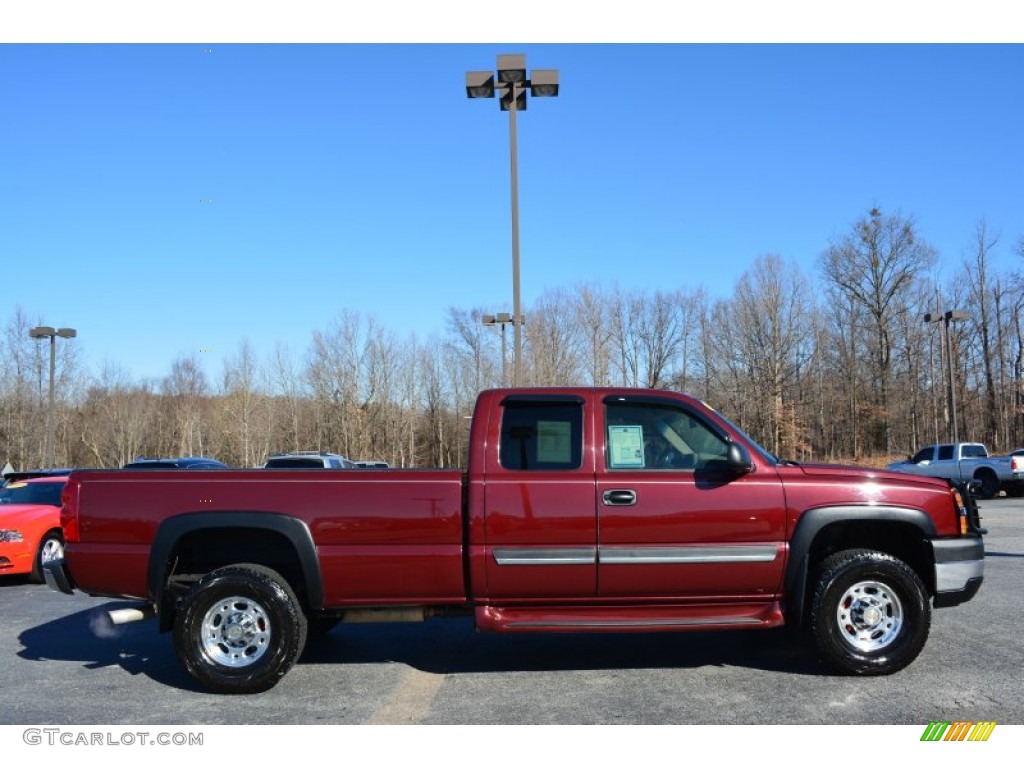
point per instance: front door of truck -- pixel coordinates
(671, 524)
(541, 527)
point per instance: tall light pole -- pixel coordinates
(502, 319)
(950, 316)
(42, 332)
(512, 84)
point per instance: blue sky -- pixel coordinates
(168, 198)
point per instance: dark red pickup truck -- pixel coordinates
(582, 510)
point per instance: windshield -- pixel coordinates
(32, 493)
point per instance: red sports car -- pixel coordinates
(30, 532)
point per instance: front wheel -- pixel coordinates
(240, 629)
(870, 613)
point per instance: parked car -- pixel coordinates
(309, 460)
(30, 532)
(962, 462)
(372, 465)
(13, 477)
(185, 462)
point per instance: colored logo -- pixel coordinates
(939, 730)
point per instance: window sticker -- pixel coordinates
(625, 446)
(554, 443)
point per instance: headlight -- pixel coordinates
(11, 535)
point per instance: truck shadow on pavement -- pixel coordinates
(439, 646)
(89, 637)
(452, 646)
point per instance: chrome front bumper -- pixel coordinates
(959, 569)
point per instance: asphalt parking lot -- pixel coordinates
(63, 665)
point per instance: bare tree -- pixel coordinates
(660, 334)
(874, 267)
(554, 341)
(981, 295)
(771, 308)
(245, 410)
(187, 392)
(591, 312)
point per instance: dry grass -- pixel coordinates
(874, 462)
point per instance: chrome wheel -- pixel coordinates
(239, 629)
(52, 549)
(870, 616)
(235, 632)
(870, 613)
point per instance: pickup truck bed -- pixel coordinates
(389, 537)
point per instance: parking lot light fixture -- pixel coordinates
(502, 319)
(44, 332)
(513, 83)
(950, 316)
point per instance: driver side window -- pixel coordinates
(655, 436)
(925, 454)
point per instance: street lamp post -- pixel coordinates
(502, 319)
(512, 84)
(950, 316)
(42, 332)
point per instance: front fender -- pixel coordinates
(814, 521)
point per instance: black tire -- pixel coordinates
(50, 546)
(989, 484)
(239, 629)
(870, 613)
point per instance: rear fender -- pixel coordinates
(171, 531)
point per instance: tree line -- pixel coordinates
(834, 365)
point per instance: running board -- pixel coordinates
(629, 619)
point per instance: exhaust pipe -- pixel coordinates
(128, 615)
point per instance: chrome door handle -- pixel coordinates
(619, 497)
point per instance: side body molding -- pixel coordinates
(294, 530)
(813, 521)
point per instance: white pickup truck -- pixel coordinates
(967, 461)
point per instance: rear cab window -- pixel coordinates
(539, 434)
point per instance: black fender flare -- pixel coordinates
(813, 521)
(171, 530)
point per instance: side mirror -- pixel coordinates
(735, 463)
(738, 459)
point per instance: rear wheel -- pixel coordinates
(989, 484)
(870, 613)
(51, 547)
(240, 629)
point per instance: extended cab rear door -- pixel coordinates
(946, 463)
(670, 524)
(539, 500)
